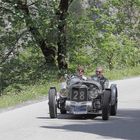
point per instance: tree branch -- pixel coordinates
(13, 48)
(70, 1)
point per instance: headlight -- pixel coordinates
(63, 92)
(93, 93)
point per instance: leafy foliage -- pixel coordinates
(104, 31)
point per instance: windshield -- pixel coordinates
(73, 80)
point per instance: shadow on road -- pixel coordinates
(126, 125)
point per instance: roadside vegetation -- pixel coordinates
(41, 40)
(20, 94)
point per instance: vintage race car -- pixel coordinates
(78, 96)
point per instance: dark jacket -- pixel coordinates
(102, 80)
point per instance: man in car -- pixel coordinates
(99, 77)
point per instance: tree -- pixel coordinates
(62, 44)
(32, 14)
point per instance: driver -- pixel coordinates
(100, 77)
(80, 73)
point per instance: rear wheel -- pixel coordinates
(61, 103)
(113, 111)
(52, 103)
(106, 106)
(63, 111)
(114, 102)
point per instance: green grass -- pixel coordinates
(13, 97)
(122, 74)
(34, 92)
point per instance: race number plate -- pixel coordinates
(79, 94)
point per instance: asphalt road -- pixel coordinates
(32, 122)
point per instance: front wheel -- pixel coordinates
(106, 106)
(52, 103)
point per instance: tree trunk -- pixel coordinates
(48, 52)
(62, 51)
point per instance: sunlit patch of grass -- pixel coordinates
(123, 73)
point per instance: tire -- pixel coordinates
(63, 111)
(113, 111)
(62, 106)
(106, 105)
(52, 103)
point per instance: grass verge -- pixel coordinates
(122, 74)
(38, 91)
(34, 92)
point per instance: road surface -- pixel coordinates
(32, 122)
